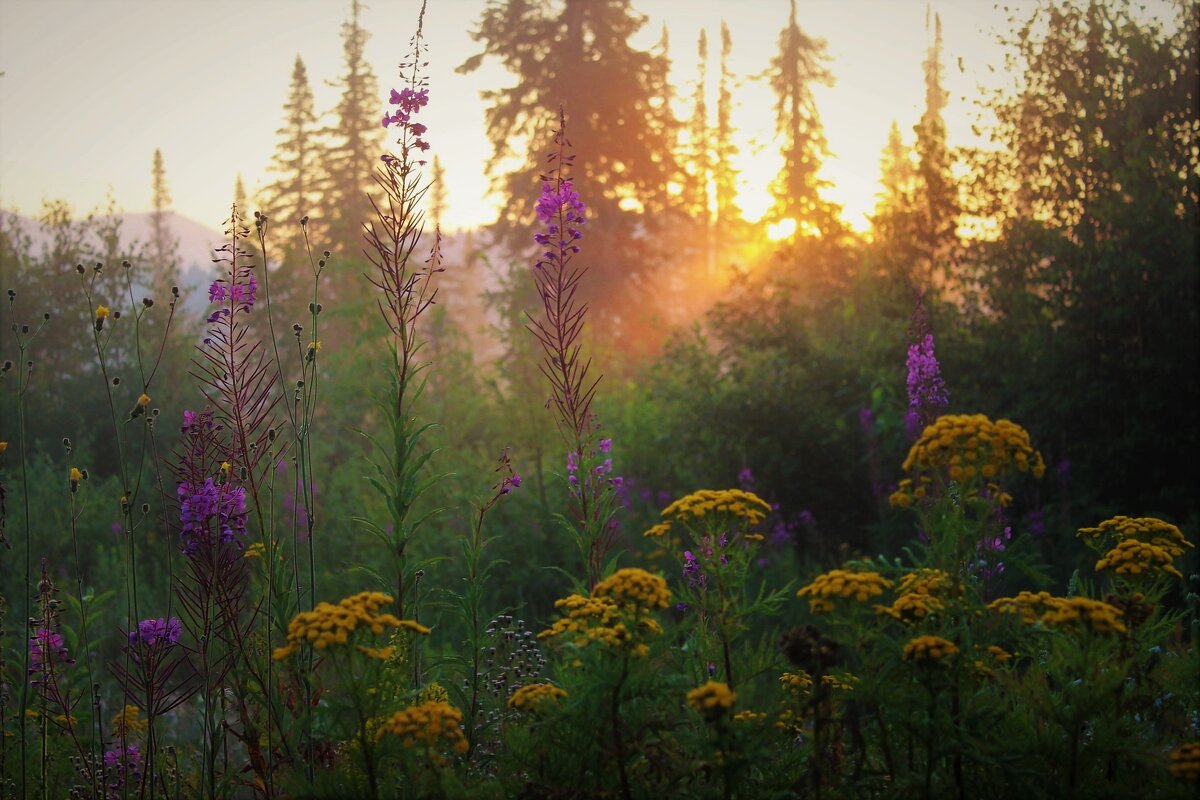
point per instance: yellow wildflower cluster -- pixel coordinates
(918, 596)
(1185, 761)
(430, 724)
(535, 697)
(255, 550)
(616, 612)
(964, 447)
(839, 683)
(127, 721)
(796, 684)
(1131, 557)
(712, 698)
(1061, 612)
(334, 624)
(745, 506)
(845, 584)
(102, 312)
(635, 587)
(749, 716)
(1143, 529)
(433, 692)
(929, 648)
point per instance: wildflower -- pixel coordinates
(749, 716)
(128, 721)
(255, 550)
(1150, 530)
(123, 766)
(430, 724)
(929, 649)
(963, 448)
(509, 483)
(143, 400)
(76, 477)
(661, 529)
(151, 632)
(1131, 557)
(102, 312)
(927, 394)
(796, 684)
(635, 587)
(1185, 761)
(329, 624)
(1094, 615)
(315, 346)
(535, 697)
(712, 699)
(202, 506)
(725, 503)
(840, 583)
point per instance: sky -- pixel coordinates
(91, 87)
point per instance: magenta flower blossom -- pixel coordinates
(45, 647)
(561, 233)
(153, 631)
(201, 507)
(927, 395)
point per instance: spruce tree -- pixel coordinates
(699, 173)
(577, 55)
(293, 193)
(356, 142)
(938, 206)
(164, 245)
(797, 190)
(724, 173)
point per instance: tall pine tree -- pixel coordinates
(164, 245)
(356, 142)
(725, 175)
(577, 55)
(794, 71)
(937, 208)
(294, 191)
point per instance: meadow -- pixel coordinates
(907, 516)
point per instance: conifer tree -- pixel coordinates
(577, 55)
(724, 173)
(437, 193)
(938, 201)
(356, 142)
(699, 173)
(164, 246)
(792, 74)
(293, 193)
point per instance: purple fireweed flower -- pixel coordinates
(927, 396)
(123, 765)
(153, 631)
(202, 506)
(46, 647)
(565, 201)
(216, 292)
(605, 445)
(510, 482)
(746, 479)
(692, 572)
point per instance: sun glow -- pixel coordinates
(784, 229)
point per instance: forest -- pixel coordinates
(628, 493)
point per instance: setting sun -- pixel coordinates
(784, 229)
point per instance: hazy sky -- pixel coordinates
(92, 87)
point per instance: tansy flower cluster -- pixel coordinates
(743, 508)
(929, 649)
(128, 721)
(1132, 557)
(796, 684)
(637, 587)
(616, 612)
(844, 584)
(430, 724)
(918, 596)
(1185, 761)
(1061, 612)
(1143, 529)
(334, 624)
(1137, 545)
(712, 698)
(963, 447)
(535, 697)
